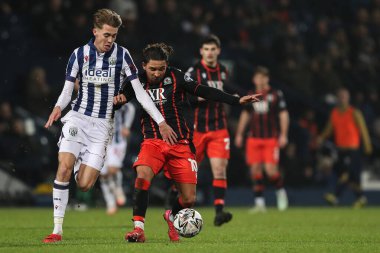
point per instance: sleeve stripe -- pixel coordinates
(70, 64)
(70, 78)
(130, 68)
(132, 77)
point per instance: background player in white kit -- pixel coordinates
(100, 66)
(111, 176)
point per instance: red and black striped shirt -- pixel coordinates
(170, 98)
(265, 121)
(209, 115)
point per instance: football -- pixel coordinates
(188, 222)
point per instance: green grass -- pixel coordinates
(296, 230)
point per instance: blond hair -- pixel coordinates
(107, 17)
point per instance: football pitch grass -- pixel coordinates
(295, 230)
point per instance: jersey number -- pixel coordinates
(194, 165)
(227, 141)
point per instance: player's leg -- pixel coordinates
(109, 198)
(115, 163)
(182, 168)
(276, 180)
(218, 150)
(149, 163)
(87, 176)
(140, 201)
(107, 188)
(61, 194)
(69, 149)
(271, 159)
(258, 187)
(119, 191)
(219, 171)
(200, 141)
(186, 199)
(355, 182)
(254, 158)
(342, 173)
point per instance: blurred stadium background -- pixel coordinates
(311, 47)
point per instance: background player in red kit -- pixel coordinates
(269, 123)
(168, 88)
(210, 125)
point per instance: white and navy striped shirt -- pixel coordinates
(100, 76)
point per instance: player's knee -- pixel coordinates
(220, 173)
(84, 186)
(145, 173)
(256, 170)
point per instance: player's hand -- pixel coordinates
(249, 99)
(125, 132)
(54, 116)
(239, 140)
(167, 133)
(282, 140)
(119, 99)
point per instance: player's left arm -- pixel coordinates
(284, 120)
(217, 95)
(360, 122)
(284, 128)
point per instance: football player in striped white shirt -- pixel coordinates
(100, 66)
(111, 177)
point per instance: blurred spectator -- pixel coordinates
(39, 99)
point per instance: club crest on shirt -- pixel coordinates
(168, 81)
(73, 131)
(187, 77)
(112, 61)
(86, 58)
(204, 76)
(223, 75)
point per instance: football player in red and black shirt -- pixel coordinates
(210, 125)
(168, 88)
(269, 123)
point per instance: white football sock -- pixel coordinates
(260, 201)
(119, 179)
(107, 193)
(139, 224)
(60, 200)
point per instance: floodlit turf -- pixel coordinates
(296, 230)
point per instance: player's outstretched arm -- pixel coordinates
(249, 99)
(218, 95)
(54, 116)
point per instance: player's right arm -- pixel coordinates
(360, 122)
(67, 91)
(243, 121)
